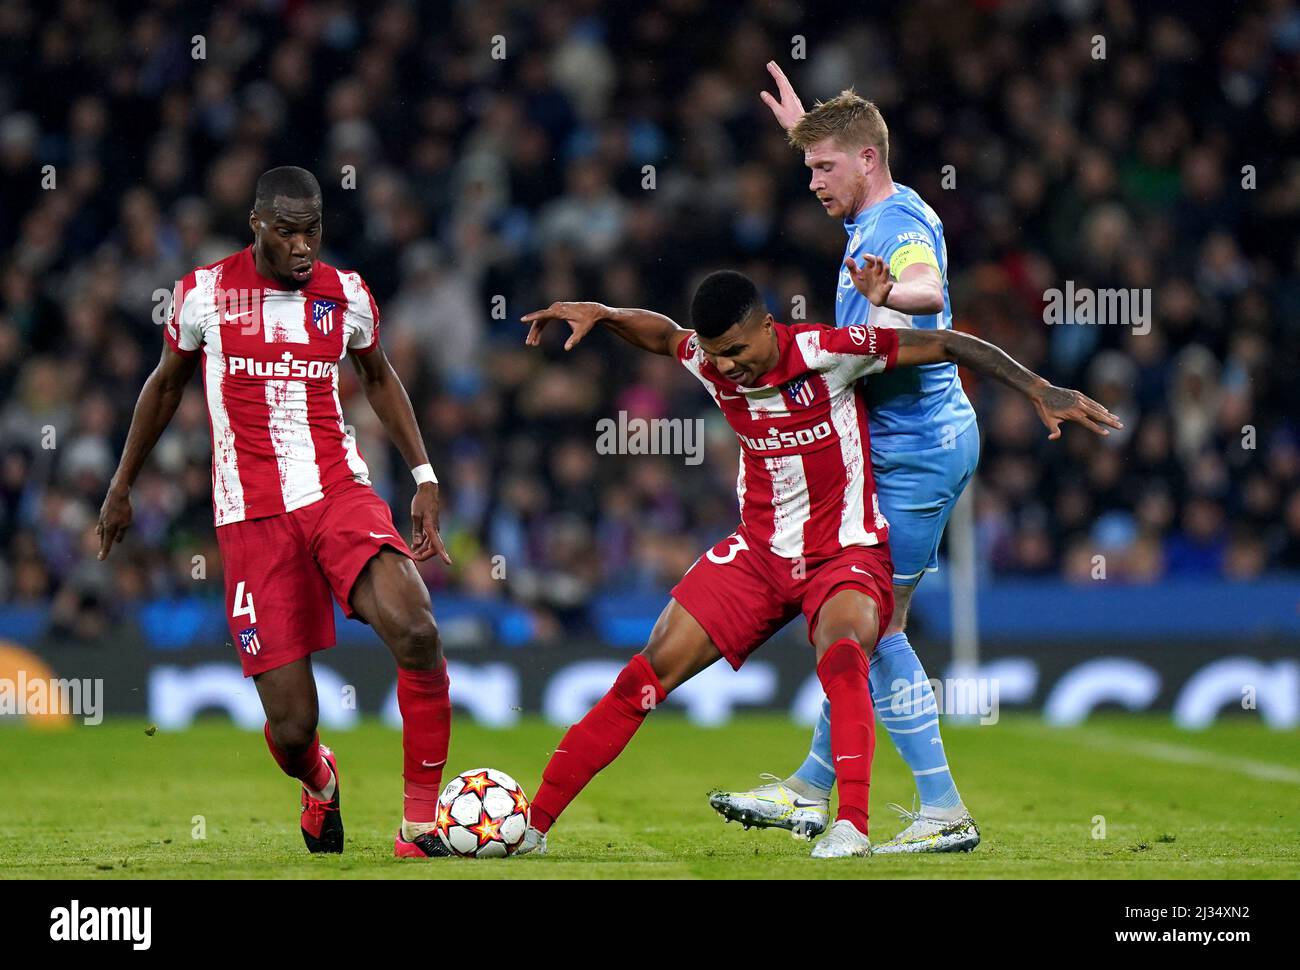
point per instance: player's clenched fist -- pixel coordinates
(114, 517)
(581, 317)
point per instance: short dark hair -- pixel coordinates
(288, 181)
(722, 300)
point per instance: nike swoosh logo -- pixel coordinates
(386, 535)
(236, 316)
(855, 569)
(434, 764)
(800, 803)
(848, 757)
(730, 397)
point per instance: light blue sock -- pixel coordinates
(816, 769)
(905, 703)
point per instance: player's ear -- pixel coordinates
(252, 220)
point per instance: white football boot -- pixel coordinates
(774, 805)
(927, 834)
(534, 841)
(842, 841)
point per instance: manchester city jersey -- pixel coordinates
(912, 408)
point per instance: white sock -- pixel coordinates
(411, 829)
(326, 793)
(944, 814)
(804, 789)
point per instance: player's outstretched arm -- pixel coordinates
(158, 400)
(388, 397)
(641, 328)
(1053, 404)
(788, 109)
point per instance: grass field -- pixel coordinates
(111, 802)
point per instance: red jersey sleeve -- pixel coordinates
(362, 313)
(687, 347)
(870, 349)
(182, 329)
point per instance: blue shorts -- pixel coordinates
(918, 490)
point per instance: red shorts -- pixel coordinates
(281, 570)
(741, 593)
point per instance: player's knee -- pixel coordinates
(860, 629)
(293, 733)
(418, 646)
(834, 634)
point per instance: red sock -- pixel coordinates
(843, 673)
(426, 731)
(308, 767)
(597, 739)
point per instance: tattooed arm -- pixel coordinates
(1053, 404)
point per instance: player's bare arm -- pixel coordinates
(641, 328)
(158, 400)
(1053, 404)
(917, 291)
(388, 397)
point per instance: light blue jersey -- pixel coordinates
(924, 440)
(911, 408)
(924, 449)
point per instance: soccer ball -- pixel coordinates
(482, 814)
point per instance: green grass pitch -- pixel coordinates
(112, 802)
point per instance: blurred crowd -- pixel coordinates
(480, 159)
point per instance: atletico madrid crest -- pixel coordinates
(248, 641)
(322, 316)
(800, 391)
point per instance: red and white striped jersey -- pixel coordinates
(271, 375)
(805, 485)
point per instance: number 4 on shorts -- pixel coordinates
(243, 606)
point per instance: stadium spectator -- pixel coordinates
(469, 188)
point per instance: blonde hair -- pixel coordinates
(850, 120)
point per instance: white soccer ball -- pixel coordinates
(482, 814)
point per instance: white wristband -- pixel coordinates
(424, 473)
